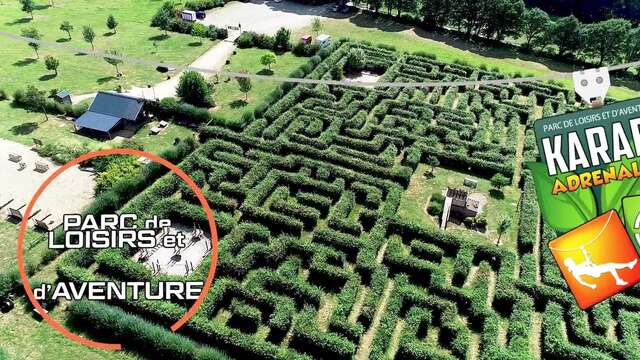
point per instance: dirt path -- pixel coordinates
(395, 339)
(470, 277)
(357, 306)
(491, 289)
(213, 59)
(474, 341)
(324, 313)
(380, 255)
(536, 334)
(367, 339)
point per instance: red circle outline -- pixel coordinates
(175, 169)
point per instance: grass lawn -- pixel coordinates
(26, 338)
(81, 74)
(22, 335)
(227, 95)
(157, 143)
(448, 49)
(22, 126)
(34, 245)
(414, 200)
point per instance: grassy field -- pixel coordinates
(26, 338)
(230, 100)
(415, 198)
(449, 49)
(22, 126)
(81, 74)
(33, 243)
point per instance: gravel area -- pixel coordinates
(69, 193)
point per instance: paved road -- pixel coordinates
(214, 59)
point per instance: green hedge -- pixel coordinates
(135, 334)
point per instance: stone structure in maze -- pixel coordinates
(315, 263)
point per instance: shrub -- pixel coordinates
(245, 40)
(198, 5)
(136, 334)
(281, 40)
(303, 49)
(193, 89)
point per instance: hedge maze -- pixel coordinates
(314, 262)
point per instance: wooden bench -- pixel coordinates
(15, 158)
(42, 167)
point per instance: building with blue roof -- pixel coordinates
(109, 112)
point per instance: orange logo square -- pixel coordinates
(597, 259)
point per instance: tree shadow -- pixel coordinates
(18, 21)
(63, 40)
(236, 104)
(24, 62)
(106, 79)
(159, 37)
(24, 129)
(195, 43)
(265, 72)
(47, 77)
(496, 194)
(108, 34)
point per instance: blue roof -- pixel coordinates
(63, 94)
(117, 105)
(96, 121)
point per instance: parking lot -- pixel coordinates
(267, 16)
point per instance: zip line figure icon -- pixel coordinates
(591, 269)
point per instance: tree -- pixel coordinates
(113, 61)
(200, 31)
(112, 23)
(268, 59)
(89, 35)
(499, 181)
(435, 13)
(36, 100)
(407, 6)
(193, 89)
(281, 40)
(466, 14)
(565, 33)
(32, 33)
(244, 84)
(28, 6)
(163, 17)
(433, 162)
(355, 59)
(503, 226)
(632, 45)
(605, 40)
(316, 26)
(375, 5)
(51, 63)
(67, 27)
(502, 18)
(535, 23)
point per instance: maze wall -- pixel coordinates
(314, 262)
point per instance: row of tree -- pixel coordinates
(602, 42)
